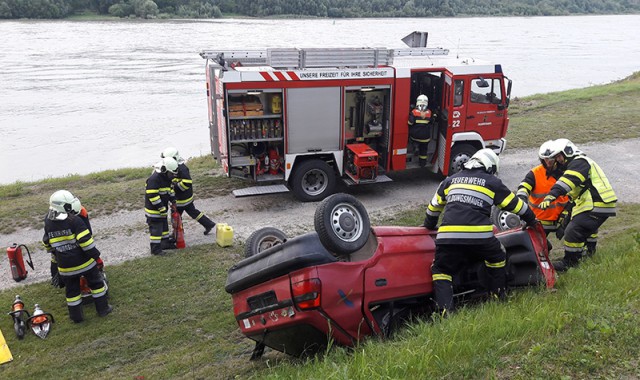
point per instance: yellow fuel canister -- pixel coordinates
(224, 234)
(276, 104)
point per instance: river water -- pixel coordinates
(80, 97)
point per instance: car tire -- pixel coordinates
(505, 220)
(460, 154)
(263, 239)
(342, 223)
(312, 180)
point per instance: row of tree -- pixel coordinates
(49, 9)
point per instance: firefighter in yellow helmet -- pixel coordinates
(466, 231)
(183, 187)
(420, 124)
(158, 193)
(594, 200)
(536, 185)
(67, 237)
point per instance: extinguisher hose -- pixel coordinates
(30, 261)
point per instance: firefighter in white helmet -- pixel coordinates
(466, 231)
(69, 239)
(158, 194)
(535, 186)
(183, 187)
(594, 200)
(421, 121)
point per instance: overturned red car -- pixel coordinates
(347, 280)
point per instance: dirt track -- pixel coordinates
(124, 235)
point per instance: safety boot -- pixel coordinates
(102, 306)
(570, 260)
(208, 227)
(76, 314)
(156, 249)
(168, 244)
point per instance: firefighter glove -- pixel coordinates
(560, 232)
(429, 224)
(546, 202)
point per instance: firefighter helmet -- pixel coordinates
(567, 148)
(166, 165)
(546, 150)
(61, 203)
(486, 159)
(422, 103)
(172, 152)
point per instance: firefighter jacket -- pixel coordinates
(419, 123)
(84, 216)
(535, 186)
(157, 195)
(587, 185)
(466, 199)
(183, 186)
(71, 243)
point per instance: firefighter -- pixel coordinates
(536, 185)
(183, 187)
(158, 194)
(80, 211)
(420, 125)
(594, 200)
(466, 231)
(67, 237)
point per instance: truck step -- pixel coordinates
(379, 179)
(260, 190)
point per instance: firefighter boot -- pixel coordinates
(207, 223)
(443, 290)
(571, 259)
(591, 249)
(102, 306)
(168, 244)
(422, 162)
(76, 314)
(156, 249)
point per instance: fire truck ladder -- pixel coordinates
(300, 59)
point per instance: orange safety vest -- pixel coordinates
(542, 188)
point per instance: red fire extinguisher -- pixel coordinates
(178, 229)
(16, 261)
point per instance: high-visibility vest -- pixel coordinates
(600, 184)
(543, 185)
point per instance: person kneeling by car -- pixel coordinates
(466, 230)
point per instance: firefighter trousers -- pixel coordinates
(196, 214)
(581, 233)
(450, 259)
(95, 280)
(421, 135)
(158, 234)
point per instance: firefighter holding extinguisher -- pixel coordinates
(69, 239)
(183, 187)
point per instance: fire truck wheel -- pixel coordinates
(342, 223)
(505, 220)
(312, 180)
(263, 239)
(460, 154)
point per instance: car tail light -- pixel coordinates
(306, 294)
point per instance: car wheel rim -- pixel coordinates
(508, 220)
(315, 182)
(346, 222)
(267, 243)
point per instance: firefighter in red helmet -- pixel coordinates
(69, 239)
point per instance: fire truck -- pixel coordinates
(304, 119)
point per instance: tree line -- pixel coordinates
(56, 9)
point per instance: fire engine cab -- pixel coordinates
(302, 119)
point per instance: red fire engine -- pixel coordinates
(301, 119)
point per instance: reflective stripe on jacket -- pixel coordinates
(585, 183)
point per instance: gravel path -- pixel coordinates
(124, 235)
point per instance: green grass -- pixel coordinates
(597, 113)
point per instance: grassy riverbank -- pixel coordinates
(174, 320)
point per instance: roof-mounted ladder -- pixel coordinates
(292, 58)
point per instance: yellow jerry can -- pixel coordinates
(224, 234)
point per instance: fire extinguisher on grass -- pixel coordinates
(16, 261)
